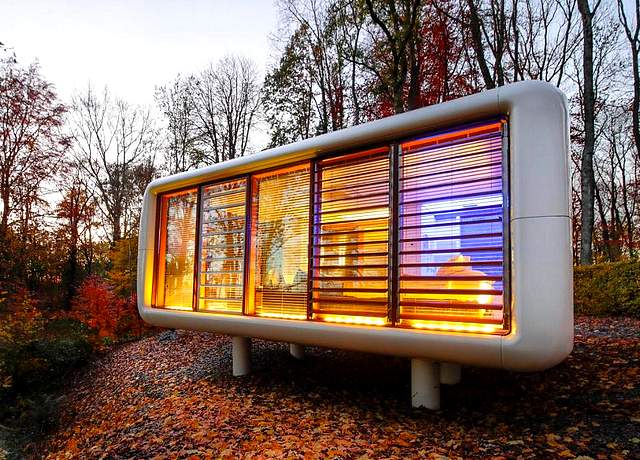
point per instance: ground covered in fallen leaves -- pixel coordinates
(172, 395)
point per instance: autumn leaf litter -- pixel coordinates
(172, 396)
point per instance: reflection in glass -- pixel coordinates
(281, 234)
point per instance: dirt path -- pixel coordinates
(172, 396)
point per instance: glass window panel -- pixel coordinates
(222, 247)
(350, 238)
(451, 230)
(280, 233)
(177, 249)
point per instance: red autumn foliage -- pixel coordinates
(100, 308)
(439, 74)
(438, 58)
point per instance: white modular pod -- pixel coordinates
(441, 235)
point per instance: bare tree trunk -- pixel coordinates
(587, 178)
(628, 217)
(88, 252)
(4, 223)
(400, 31)
(517, 70)
(606, 236)
(633, 37)
(500, 22)
(635, 105)
(354, 89)
(478, 46)
(413, 101)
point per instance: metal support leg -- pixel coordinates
(296, 350)
(425, 384)
(241, 352)
(450, 373)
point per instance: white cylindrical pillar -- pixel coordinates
(241, 353)
(296, 350)
(425, 384)
(450, 373)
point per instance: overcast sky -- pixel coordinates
(133, 45)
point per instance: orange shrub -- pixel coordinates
(111, 316)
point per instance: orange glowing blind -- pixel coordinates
(451, 211)
(177, 250)
(222, 247)
(280, 235)
(351, 238)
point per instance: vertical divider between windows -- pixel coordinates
(310, 254)
(246, 260)
(196, 252)
(506, 228)
(393, 257)
(156, 252)
(161, 251)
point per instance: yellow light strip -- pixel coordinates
(282, 315)
(364, 320)
(456, 327)
(177, 307)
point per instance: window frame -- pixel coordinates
(250, 307)
(197, 267)
(394, 146)
(160, 233)
(507, 301)
(365, 152)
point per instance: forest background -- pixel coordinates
(73, 172)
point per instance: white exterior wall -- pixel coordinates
(540, 234)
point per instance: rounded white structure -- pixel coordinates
(241, 353)
(425, 384)
(530, 289)
(297, 351)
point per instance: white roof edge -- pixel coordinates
(468, 108)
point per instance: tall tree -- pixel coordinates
(182, 149)
(632, 33)
(115, 145)
(352, 17)
(514, 40)
(31, 141)
(227, 101)
(398, 26)
(488, 30)
(617, 193)
(288, 94)
(75, 214)
(587, 177)
(31, 149)
(323, 39)
(545, 35)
